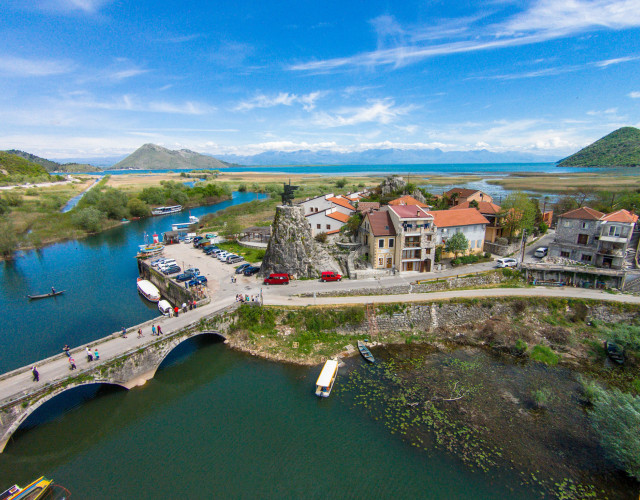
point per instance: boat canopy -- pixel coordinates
(327, 373)
(148, 289)
(164, 307)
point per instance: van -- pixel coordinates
(277, 279)
(507, 262)
(541, 252)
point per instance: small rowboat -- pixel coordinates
(45, 295)
(366, 353)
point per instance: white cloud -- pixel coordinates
(281, 99)
(634, 95)
(126, 73)
(609, 62)
(378, 111)
(130, 102)
(64, 6)
(19, 66)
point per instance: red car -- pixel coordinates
(330, 276)
(277, 279)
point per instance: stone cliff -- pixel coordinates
(292, 249)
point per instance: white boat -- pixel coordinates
(167, 210)
(180, 226)
(148, 290)
(327, 377)
(164, 307)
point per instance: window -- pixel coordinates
(566, 223)
(428, 251)
(328, 226)
(390, 242)
(380, 243)
(381, 262)
(585, 225)
(318, 226)
(613, 231)
(583, 239)
(565, 254)
(585, 258)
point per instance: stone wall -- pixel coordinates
(169, 289)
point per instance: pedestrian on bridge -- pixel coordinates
(66, 350)
(95, 354)
(140, 333)
(124, 332)
(36, 375)
(159, 330)
(72, 364)
(89, 355)
(153, 329)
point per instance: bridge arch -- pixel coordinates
(23, 412)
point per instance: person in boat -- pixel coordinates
(66, 350)
(36, 375)
(53, 291)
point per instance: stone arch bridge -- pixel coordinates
(128, 370)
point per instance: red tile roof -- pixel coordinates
(342, 202)
(381, 224)
(584, 213)
(409, 212)
(407, 200)
(621, 216)
(484, 207)
(334, 231)
(366, 206)
(462, 192)
(461, 217)
(338, 216)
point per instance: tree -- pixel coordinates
(90, 219)
(518, 213)
(616, 419)
(473, 204)
(353, 223)
(138, 208)
(341, 182)
(8, 239)
(458, 243)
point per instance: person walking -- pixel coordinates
(95, 354)
(153, 329)
(176, 311)
(124, 332)
(66, 350)
(72, 364)
(159, 330)
(140, 333)
(36, 375)
(184, 307)
(89, 355)
(195, 304)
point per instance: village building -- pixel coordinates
(408, 200)
(328, 221)
(364, 207)
(593, 238)
(467, 221)
(325, 202)
(378, 235)
(458, 196)
(491, 212)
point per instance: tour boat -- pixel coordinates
(167, 210)
(148, 290)
(164, 307)
(366, 353)
(180, 226)
(39, 489)
(327, 377)
(149, 250)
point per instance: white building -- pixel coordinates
(328, 221)
(467, 221)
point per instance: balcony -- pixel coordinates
(611, 251)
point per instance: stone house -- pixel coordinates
(408, 200)
(377, 233)
(491, 212)
(328, 221)
(594, 238)
(457, 196)
(367, 206)
(467, 221)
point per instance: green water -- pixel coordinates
(217, 423)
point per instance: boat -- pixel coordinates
(146, 251)
(366, 353)
(148, 290)
(180, 226)
(39, 489)
(164, 307)
(45, 295)
(124, 220)
(167, 210)
(327, 377)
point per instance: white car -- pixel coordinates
(507, 262)
(541, 252)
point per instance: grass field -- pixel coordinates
(545, 183)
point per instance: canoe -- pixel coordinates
(366, 353)
(45, 295)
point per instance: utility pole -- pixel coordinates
(523, 244)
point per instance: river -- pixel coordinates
(212, 422)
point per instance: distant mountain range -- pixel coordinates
(385, 157)
(621, 148)
(153, 157)
(53, 166)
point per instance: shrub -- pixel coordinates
(8, 239)
(521, 346)
(321, 237)
(138, 208)
(543, 228)
(90, 219)
(502, 241)
(13, 199)
(542, 396)
(545, 355)
(487, 255)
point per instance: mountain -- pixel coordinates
(154, 157)
(385, 157)
(620, 148)
(53, 166)
(14, 165)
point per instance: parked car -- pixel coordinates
(251, 270)
(541, 252)
(240, 269)
(230, 256)
(277, 279)
(223, 255)
(194, 270)
(198, 280)
(167, 263)
(330, 276)
(197, 239)
(186, 276)
(234, 259)
(507, 262)
(216, 252)
(210, 249)
(171, 270)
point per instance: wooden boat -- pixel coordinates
(39, 489)
(148, 290)
(45, 295)
(366, 353)
(149, 250)
(327, 377)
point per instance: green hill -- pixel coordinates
(153, 157)
(16, 168)
(54, 166)
(620, 148)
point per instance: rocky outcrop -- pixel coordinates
(292, 249)
(392, 184)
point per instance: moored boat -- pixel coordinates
(148, 290)
(164, 307)
(366, 353)
(145, 251)
(327, 378)
(166, 210)
(39, 489)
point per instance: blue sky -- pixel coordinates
(96, 78)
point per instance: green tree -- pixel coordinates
(90, 219)
(138, 208)
(341, 182)
(518, 213)
(616, 419)
(4, 206)
(456, 244)
(8, 239)
(353, 223)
